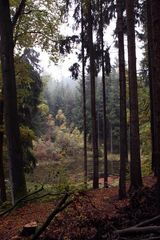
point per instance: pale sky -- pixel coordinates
(60, 71)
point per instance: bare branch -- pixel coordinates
(147, 222)
(18, 12)
(137, 230)
(60, 207)
(20, 201)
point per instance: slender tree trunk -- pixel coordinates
(155, 10)
(135, 163)
(3, 196)
(84, 98)
(104, 99)
(93, 100)
(10, 98)
(123, 114)
(111, 139)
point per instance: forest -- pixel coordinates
(80, 155)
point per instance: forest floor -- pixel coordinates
(91, 215)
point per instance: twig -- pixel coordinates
(20, 200)
(60, 207)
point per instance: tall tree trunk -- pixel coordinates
(104, 98)
(151, 80)
(155, 10)
(84, 98)
(135, 163)
(10, 98)
(93, 99)
(123, 114)
(3, 196)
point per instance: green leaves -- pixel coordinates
(38, 25)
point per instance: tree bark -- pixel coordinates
(155, 10)
(104, 98)
(123, 114)
(93, 99)
(151, 82)
(135, 163)
(10, 98)
(18, 13)
(84, 98)
(3, 196)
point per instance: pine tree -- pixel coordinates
(123, 115)
(104, 94)
(93, 97)
(135, 163)
(84, 96)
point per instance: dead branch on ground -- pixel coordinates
(59, 208)
(136, 230)
(20, 201)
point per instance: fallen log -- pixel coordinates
(148, 238)
(147, 222)
(137, 230)
(151, 238)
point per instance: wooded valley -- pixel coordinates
(80, 156)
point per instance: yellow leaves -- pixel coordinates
(59, 140)
(50, 121)
(44, 109)
(27, 134)
(61, 119)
